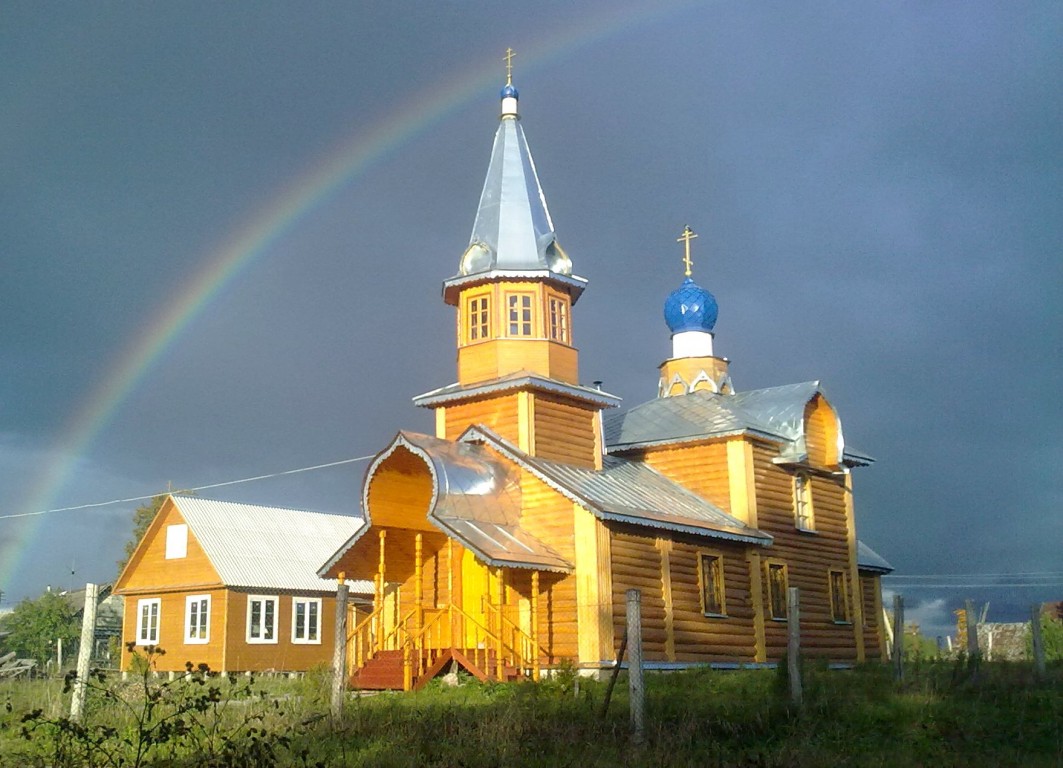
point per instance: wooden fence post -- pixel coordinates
(636, 690)
(88, 634)
(339, 648)
(793, 644)
(898, 638)
(972, 631)
(1038, 641)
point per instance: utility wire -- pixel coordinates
(197, 488)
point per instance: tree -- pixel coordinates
(142, 517)
(35, 625)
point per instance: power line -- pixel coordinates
(197, 488)
(1031, 574)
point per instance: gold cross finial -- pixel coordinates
(685, 238)
(509, 65)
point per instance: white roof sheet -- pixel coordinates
(269, 547)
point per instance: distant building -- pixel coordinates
(234, 586)
(507, 540)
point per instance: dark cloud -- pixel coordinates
(876, 189)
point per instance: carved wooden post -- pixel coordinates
(793, 644)
(418, 581)
(499, 663)
(339, 648)
(636, 690)
(378, 641)
(88, 633)
(535, 624)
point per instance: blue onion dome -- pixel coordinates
(509, 92)
(690, 308)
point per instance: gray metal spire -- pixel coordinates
(513, 235)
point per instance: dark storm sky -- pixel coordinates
(876, 187)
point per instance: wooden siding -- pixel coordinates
(808, 557)
(821, 433)
(498, 413)
(227, 649)
(564, 432)
(702, 638)
(487, 360)
(149, 569)
(636, 564)
(400, 491)
(699, 468)
(871, 595)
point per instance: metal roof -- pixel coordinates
(629, 492)
(517, 380)
(268, 547)
(513, 232)
(775, 413)
(868, 559)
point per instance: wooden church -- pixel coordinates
(506, 541)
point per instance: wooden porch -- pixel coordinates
(484, 626)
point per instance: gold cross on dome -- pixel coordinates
(685, 238)
(509, 65)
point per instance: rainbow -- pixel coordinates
(340, 167)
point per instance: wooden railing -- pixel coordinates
(425, 635)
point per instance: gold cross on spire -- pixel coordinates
(509, 65)
(685, 238)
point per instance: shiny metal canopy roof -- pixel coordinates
(513, 235)
(775, 413)
(268, 547)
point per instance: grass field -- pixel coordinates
(939, 716)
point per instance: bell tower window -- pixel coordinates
(559, 319)
(478, 318)
(519, 312)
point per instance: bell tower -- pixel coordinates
(518, 366)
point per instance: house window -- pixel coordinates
(803, 517)
(839, 597)
(148, 621)
(478, 318)
(306, 620)
(519, 308)
(712, 594)
(559, 319)
(261, 619)
(176, 541)
(197, 619)
(777, 590)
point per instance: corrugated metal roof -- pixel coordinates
(868, 559)
(268, 547)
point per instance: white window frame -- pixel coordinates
(804, 511)
(201, 603)
(153, 636)
(305, 623)
(260, 638)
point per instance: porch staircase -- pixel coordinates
(426, 643)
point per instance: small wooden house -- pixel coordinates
(234, 586)
(506, 541)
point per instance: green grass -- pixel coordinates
(938, 717)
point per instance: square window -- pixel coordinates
(777, 590)
(197, 619)
(261, 619)
(306, 620)
(176, 541)
(148, 621)
(839, 597)
(712, 592)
